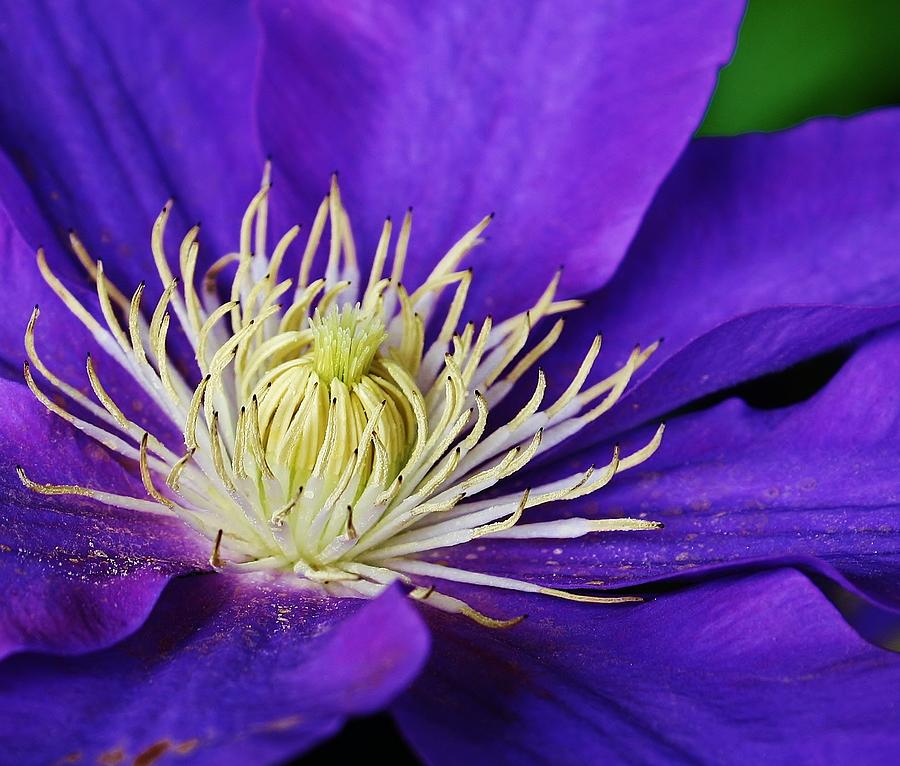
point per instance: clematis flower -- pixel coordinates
(266, 478)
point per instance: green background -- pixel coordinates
(796, 59)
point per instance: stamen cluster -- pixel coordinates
(336, 428)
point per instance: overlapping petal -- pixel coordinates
(61, 342)
(108, 109)
(76, 575)
(756, 670)
(747, 259)
(816, 482)
(226, 670)
(563, 117)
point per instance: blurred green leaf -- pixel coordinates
(797, 59)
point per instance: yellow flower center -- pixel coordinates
(337, 427)
(319, 409)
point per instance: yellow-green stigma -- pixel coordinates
(336, 427)
(344, 343)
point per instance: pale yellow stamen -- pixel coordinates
(329, 433)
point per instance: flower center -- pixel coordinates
(336, 428)
(319, 410)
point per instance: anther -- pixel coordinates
(215, 560)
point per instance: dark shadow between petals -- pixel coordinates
(793, 385)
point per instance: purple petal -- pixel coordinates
(758, 670)
(742, 349)
(23, 288)
(75, 575)
(227, 670)
(563, 117)
(741, 228)
(65, 612)
(137, 102)
(62, 342)
(735, 485)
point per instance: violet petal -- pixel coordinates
(815, 482)
(108, 109)
(76, 575)
(226, 671)
(743, 228)
(756, 670)
(563, 117)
